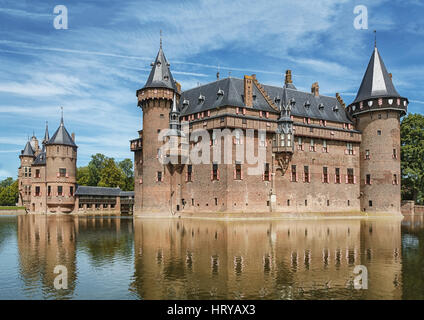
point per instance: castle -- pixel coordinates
(47, 180)
(319, 154)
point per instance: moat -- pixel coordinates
(122, 258)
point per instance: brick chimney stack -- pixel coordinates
(73, 136)
(248, 90)
(390, 75)
(288, 78)
(315, 89)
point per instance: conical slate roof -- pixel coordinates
(160, 76)
(28, 151)
(376, 82)
(62, 137)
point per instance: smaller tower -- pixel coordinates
(61, 167)
(26, 157)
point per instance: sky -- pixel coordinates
(93, 68)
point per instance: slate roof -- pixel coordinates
(40, 160)
(160, 75)
(28, 151)
(233, 91)
(62, 137)
(102, 191)
(376, 82)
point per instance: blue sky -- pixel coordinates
(94, 68)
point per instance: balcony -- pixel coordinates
(136, 144)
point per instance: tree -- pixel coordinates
(95, 167)
(9, 194)
(412, 155)
(6, 182)
(126, 166)
(83, 176)
(111, 175)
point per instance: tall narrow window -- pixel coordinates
(350, 177)
(267, 174)
(189, 173)
(325, 174)
(49, 191)
(306, 175)
(159, 176)
(237, 173)
(395, 179)
(237, 137)
(394, 156)
(299, 143)
(60, 191)
(293, 173)
(349, 148)
(37, 173)
(367, 154)
(312, 146)
(71, 191)
(214, 141)
(324, 146)
(37, 191)
(29, 172)
(262, 141)
(337, 176)
(215, 175)
(368, 179)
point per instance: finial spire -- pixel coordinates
(161, 38)
(61, 119)
(375, 38)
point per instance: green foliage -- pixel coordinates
(106, 172)
(412, 155)
(111, 175)
(8, 192)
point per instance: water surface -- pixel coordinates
(118, 258)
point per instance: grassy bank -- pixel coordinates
(11, 208)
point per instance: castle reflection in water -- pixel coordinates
(192, 259)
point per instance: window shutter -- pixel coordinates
(260, 114)
(304, 120)
(346, 179)
(237, 110)
(325, 123)
(267, 114)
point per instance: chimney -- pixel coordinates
(217, 75)
(248, 90)
(178, 85)
(315, 89)
(73, 137)
(288, 78)
(340, 100)
(390, 75)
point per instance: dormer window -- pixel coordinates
(254, 97)
(185, 103)
(201, 98)
(166, 78)
(277, 100)
(336, 108)
(307, 104)
(220, 93)
(321, 106)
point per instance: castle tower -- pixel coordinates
(26, 157)
(61, 167)
(377, 109)
(152, 177)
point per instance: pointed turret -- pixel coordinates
(377, 82)
(62, 136)
(28, 150)
(160, 75)
(46, 134)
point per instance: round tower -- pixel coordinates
(26, 157)
(377, 110)
(153, 192)
(61, 168)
